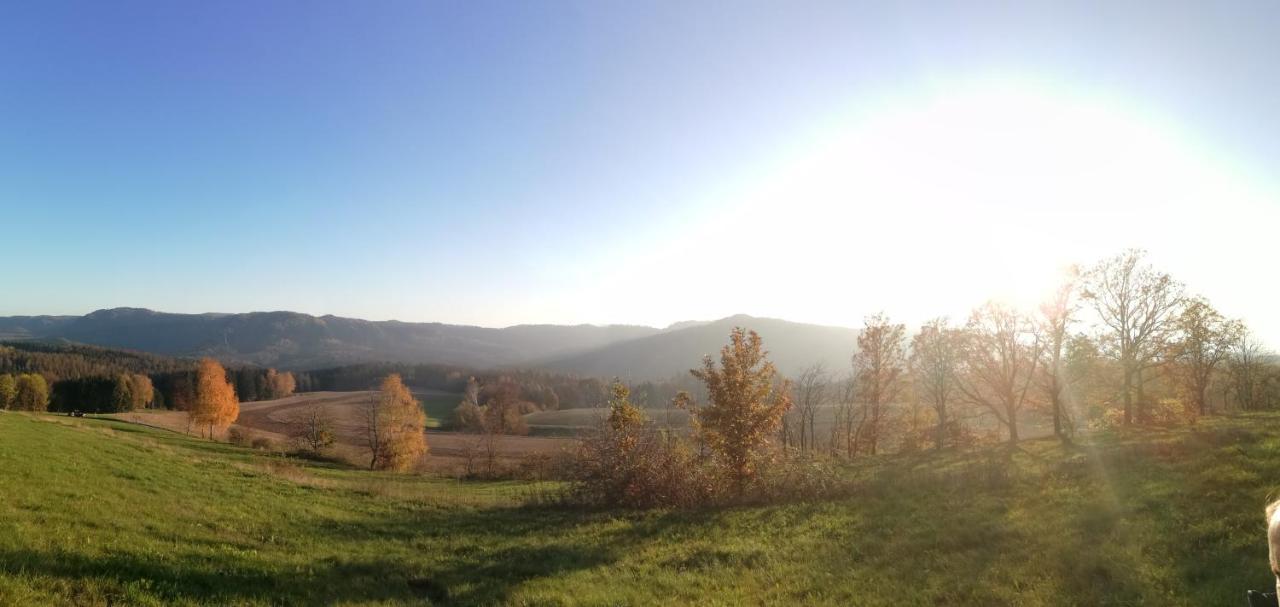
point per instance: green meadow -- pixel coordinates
(438, 406)
(97, 512)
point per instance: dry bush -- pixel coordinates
(641, 468)
(242, 437)
(311, 429)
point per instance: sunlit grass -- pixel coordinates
(97, 512)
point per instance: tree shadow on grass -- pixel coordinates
(482, 579)
(507, 547)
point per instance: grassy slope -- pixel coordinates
(95, 511)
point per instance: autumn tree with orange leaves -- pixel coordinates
(280, 384)
(393, 426)
(215, 406)
(746, 406)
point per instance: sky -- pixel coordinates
(498, 163)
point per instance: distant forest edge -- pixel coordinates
(103, 380)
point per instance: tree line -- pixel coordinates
(102, 380)
(1117, 344)
(1120, 343)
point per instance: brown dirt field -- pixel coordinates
(270, 418)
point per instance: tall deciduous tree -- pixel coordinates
(122, 394)
(935, 358)
(1055, 320)
(879, 368)
(280, 384)
(32, 393)
(745, 409)
(1205, 340)
(1001, 351)
(1247, 370)
(394, 426)
(215, 405)
(1138, 306)
(142, 390)
(502, 412)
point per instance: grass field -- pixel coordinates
(98, 512)
(438, 406)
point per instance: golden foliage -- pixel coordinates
(746, 406)
(394, 427)
(879, 368)
(215, 404)
(280, 384)
(32, 393)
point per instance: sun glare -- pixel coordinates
(934, 203)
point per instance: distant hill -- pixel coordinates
(301, 341)
(792, 346)
(291, 340)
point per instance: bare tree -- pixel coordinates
(1000, 355)
(370, 414)
(312, 427)
(935, 356)
(848, 420)
(1137, 305)
(1246, 367)
(811, 394)
(1205, 340)
(879, 367)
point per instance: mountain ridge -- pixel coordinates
(295, 340)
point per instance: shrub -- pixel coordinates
(643, 468)
(240, 436)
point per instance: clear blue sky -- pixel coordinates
(508, 162)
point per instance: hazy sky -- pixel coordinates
(630, 162)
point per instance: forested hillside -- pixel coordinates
(301, 341)
(294, 341)
(69, 376)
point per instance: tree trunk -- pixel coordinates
(1013, 426)
(813, 433)
(942, 430)
(875, 428)
(1128, 395)
(1057, 414)
(1143, 414)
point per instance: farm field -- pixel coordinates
(101, 512)
(438, 405)
(568, 422)
(571, 422)
(271, 419)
